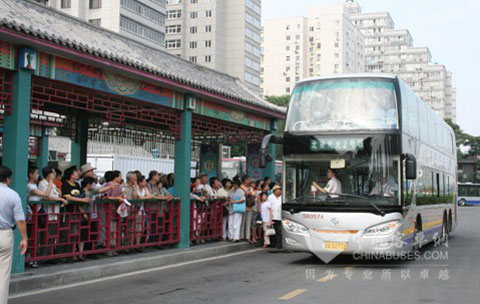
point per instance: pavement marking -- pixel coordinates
(348, 268)
(328, 277)
(292, 294)
(119, 276)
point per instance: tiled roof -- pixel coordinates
(48, 24)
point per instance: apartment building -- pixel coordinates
(326, 42)
(140, 20)
(220, 34)
(391, 50)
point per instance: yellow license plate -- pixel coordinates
(335, 246)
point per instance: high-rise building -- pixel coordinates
(140, 20)
(390, 50)
(220, 34)
(326, 42)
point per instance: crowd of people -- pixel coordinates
(250, 208)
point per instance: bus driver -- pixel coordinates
(334, 186)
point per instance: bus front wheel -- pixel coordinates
(462, 202)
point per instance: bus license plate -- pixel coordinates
(335, 246)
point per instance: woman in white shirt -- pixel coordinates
(143, 194)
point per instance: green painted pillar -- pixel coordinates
(42, 160)
(78, 149)
(15, 147)
(182, 170)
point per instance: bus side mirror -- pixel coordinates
(410, 167)
(264, 156)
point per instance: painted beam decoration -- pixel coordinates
(222, 112)
(7, 55)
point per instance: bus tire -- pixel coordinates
(450, 222)
(462, 202)
(445, 231)
(417, 235)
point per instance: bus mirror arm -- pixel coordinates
(265, 157)
(410, 166)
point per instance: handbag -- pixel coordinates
(270, 231)
(239, 207)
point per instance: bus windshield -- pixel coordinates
(366, 170)
(343, 104)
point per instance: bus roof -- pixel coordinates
(351, 75)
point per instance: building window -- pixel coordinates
(193, 15)
(208, 43)
(143, 10)
(287, 90)
(288, 37)
(97, 22)
(66, 4)
(208, 58)
(95, 3)
(287, 79)
(208, 28)
(336, 44)
(174, 14)
(172, 29)
(208, 13)
(287, 58)
(287, 48)
(193, 44)
(193, 30)
(336, 55)
(297, 37)
(319, 45)
(173, 44)
(141, 30)
(193, 1)
(174, 1)
(193, 59)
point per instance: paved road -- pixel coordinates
(277, 277)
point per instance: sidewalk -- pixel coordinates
(48, 276)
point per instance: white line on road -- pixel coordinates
(30, 293)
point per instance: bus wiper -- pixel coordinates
(382, 213)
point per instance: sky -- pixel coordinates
(449, 28)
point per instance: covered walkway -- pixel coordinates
(62, 74)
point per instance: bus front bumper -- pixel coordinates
(342, 243)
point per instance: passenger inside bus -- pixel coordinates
(382, 188)
(334, 186)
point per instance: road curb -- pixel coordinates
(28, 282)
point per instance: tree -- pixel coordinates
(281, 100)
(472, 143)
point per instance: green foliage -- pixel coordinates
(464, 139)
(279, 100)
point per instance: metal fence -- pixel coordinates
(74, 230)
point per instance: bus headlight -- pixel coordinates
(294, 227)
(382, 229)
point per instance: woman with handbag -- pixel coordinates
(267, 215)
(237, 199)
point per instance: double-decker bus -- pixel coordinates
(394, 157)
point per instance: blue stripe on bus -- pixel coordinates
(428, 231)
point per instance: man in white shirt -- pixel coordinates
(11, 213)
(275, 201)
(334, 186)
